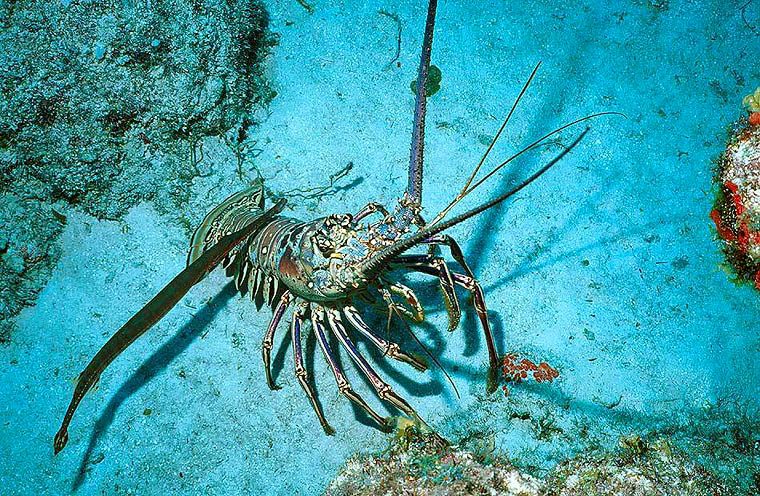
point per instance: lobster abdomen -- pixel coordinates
(268, 262)
(232, 212)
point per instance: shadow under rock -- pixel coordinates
(157, 362)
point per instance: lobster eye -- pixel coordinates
(345, 220)
(332, 221)
(323, 242)
(339, 220)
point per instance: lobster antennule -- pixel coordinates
(374, 265)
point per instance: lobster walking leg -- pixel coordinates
(300, 369)
(426, 265)
(415, 312)
(268, 343)
(388, 348)
(479, 302)
(444, 278)
(449, 295)
(344, 387)
(153, 312)
(382, 388)
(454, 249)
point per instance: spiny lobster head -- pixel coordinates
(321, 264)
(341, 258)
(333, 234)
(333, 252)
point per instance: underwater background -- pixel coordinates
(124, 122)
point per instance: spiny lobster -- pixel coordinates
(322, 266)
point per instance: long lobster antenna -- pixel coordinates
(414, 186)
(154, 311)
(371, 267)
(470, 188)
(498, 133)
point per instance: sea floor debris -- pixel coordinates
(417, 463)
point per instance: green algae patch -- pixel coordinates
(432, 84)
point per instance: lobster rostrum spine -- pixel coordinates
(319, 269)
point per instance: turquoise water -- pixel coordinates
(606, 267)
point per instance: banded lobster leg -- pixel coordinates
(391, 349)
(472, 285)
(268, 343)
(382, 388)
(384, 391)
(299, 316)
(369, 209)
(415, 312)
(432, 265)
(446, 281)
(344, 387)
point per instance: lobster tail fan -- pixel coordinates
(372, 267)
(230, 216)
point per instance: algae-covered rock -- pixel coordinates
(27, 248)
(102, 104)
(736, 211)
(638, 469)
(99, 97)
(420, 465)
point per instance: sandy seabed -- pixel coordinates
(606, 268)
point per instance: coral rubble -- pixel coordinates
(638, 469)
(418, 464)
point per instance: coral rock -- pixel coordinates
(736, 212)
